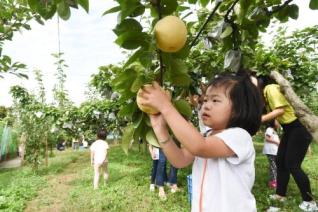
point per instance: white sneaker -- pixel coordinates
(277, 197)
(273, 209)
(308, 206)
(152, 187)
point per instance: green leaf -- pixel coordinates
(313, 4)
(204, 2)
(168, 6)
(140, 9)
(72, 3)
(134, 57)
(132, 40)
(127, 138)
(128, 25)
(177, 71)
(139, 131)
(152, 139)
(228, 31)
(138, 82)
(124, 79)
(146, 58)
(49, 12)
(192, 1)
(293, 11)
(138, 121)
(64, 10)
(183, 107)
(84, 4)
(128, 7)
(127, 110)
(282, 15)
(112, 10)
(34, 4)
(182, 53)
(181, 79)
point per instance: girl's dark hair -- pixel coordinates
(246, 100)
(264, 80)
(102, 134)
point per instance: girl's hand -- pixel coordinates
(154, 96)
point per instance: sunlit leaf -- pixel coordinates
(228, 31)
(204, 2)
(183, 107)
(152, 139)
(127, 138)
(64, 10)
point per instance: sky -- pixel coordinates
(87, 41)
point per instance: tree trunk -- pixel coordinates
(305, 115)
(46, 151)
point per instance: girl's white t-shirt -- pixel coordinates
(270, 148)
(225, 184)
(99, 147)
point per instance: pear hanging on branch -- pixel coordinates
(170, 33)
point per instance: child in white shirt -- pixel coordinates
(223, 163)
(99, 157)
(270, 148)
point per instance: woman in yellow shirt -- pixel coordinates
(293, 146)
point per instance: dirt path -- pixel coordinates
(57, 190)
(13, 163)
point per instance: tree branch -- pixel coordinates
(305, 115)
(205, 23)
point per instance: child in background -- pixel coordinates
(99, 157)
(293, 146)
(270, 148)
(158, 172)
(154, 153)
(223, 170)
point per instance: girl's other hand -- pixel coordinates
(157, 121)
(159, 126)
(154, 96)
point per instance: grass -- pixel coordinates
(128, 186)
(127, 189)
(19, 185)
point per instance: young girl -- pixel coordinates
(271, 143)
(99, 159)
(223, 162)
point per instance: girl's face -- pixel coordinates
(216, 109)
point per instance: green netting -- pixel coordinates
(8, 141)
